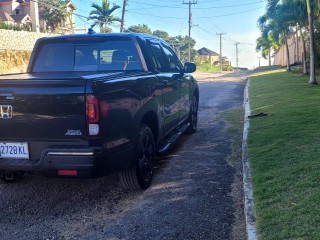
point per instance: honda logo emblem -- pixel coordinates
(5, 111)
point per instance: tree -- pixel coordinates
(55, 13)
(105, 29)
(181, 46)
(278, 22)
(265, 45)
(312, 79)
(298, 15)
(161, 34)
(102, 15)
(140, 28)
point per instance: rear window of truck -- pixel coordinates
(73, 55)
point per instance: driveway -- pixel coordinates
(196, 194)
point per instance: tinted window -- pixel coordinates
(55, 57)
(119, 55)
(158, 58)
(174, 62)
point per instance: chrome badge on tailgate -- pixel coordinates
(6, 111)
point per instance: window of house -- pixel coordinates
(17, 11)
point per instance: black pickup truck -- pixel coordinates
(95, 104)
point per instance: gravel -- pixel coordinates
(190, 197)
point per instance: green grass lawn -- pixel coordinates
(207, 68)
(273, 67)
(284, 150)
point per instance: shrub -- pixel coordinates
(206, 67)
(14, 61)
(4, 25)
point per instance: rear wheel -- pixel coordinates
(193, 116)
(141, 174)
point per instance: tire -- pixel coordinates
(141, 174)
(193, 116)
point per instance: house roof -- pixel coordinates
(71, 5)
(21, 18)
(206, 51)
(4, 16)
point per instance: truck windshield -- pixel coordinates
(109, 55)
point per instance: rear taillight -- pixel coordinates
(92, 109)
(93, 115)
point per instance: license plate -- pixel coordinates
(14, 150)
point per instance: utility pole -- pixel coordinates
(259, 61)
(221, 49)
(123, 13)
(237, 58)
(190, 25)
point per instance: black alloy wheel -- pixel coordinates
(140, 176)
(146, 159)
(193, 116)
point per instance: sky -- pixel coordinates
(236, 18)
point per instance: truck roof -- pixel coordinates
(127, 34)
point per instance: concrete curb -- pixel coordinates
(247, 184)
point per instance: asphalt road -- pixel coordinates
(191, 196)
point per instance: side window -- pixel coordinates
(158, 57)
(174, 62)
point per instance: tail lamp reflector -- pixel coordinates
(68, 172)
(93, 129)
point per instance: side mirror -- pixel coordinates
(189, 67)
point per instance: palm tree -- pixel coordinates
(298, 14)
(102, 14)
(266, 45)
(275, 25)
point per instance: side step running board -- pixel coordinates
(174, 138)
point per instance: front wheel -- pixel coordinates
(193, 116)
(141, 174)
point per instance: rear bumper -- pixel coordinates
(86, 162)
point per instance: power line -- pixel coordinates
(231, 14)
(44, 3)
(231, 6)
(224, 15)
(176, 6)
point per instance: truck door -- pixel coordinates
(170, 87)
(182, 79)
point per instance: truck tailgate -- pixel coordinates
(38, 107)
